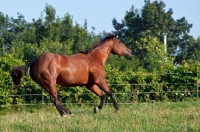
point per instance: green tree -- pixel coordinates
(156, 60)
(6, 35)
(80, 36)
(193, 51)
(152, 20)
(67, 28)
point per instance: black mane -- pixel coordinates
(108, 36)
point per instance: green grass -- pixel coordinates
(138, 117)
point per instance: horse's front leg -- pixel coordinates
(104, 86)
(103, 98)
(95, 89)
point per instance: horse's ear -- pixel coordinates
(116, 36)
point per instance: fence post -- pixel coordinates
(197, 92)
(197, 85)
(42, 97)
(133, 93)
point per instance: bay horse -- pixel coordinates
(86, 68)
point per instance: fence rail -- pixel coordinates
(195, 91)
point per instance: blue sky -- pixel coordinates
(99, 13)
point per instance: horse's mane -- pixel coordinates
(96, 44)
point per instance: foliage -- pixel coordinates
(153, 20)
(6, 63)
(46, 34)
(27, 85)
(118, 82)
(175, 83)
(151, 74)
(165, 83)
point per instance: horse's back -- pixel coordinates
(65, 70)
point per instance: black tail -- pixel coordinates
(17, 73)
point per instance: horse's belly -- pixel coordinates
(73, 79)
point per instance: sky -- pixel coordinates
(99, 13)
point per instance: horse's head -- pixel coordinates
(119, 48)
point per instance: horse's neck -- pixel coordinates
(101, 52)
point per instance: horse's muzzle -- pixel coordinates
(128, 54)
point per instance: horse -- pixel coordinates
(85, 68)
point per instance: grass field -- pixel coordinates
(137, 117)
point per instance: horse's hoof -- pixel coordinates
(117, 111)
(71, 114)
(96, 109)
(64, 115)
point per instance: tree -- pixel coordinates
(155, 59)
(152, 20)
(80, 38)
(6, 34)
(67, 28)
(43, 35)
(193, 51)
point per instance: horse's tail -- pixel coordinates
(17, 73)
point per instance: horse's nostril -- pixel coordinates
(130, 51)
(128, 54)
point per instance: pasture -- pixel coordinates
(137, 117)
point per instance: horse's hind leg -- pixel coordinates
(95, 89)
(66, 110)
(57, 103)
(48, 82)
(59, 106)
